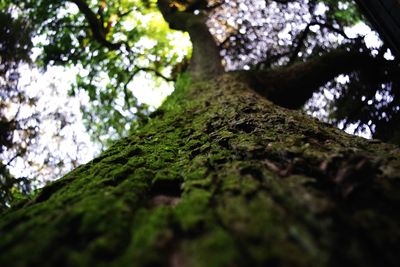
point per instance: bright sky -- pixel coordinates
(52, 88)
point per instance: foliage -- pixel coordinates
(25, 118)
(133, 39)
(15, 45)
(116, 43)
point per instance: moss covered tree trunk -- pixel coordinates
(218, 177)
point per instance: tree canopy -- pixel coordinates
(114, 41)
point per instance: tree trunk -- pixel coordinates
(218, 177)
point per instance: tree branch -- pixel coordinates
(95, 25)
(292, 86)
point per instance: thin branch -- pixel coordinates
(299, 44)
(271, 59)
(95, 24)
(156, 72)
(3, 167)
(304, 34)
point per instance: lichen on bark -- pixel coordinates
(218, 177)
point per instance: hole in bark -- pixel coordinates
(249, 110)
(224, 142)
(253, 172)
(167, 187)
(165, 192)
(134, 152)
(246, 127)
(194, 153)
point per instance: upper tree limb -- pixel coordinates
(292, 86)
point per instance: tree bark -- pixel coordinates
(218, 177)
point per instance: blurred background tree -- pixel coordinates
(15, 46)
(32, 125)
(117, 47)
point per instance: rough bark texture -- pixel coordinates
(219, 177)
